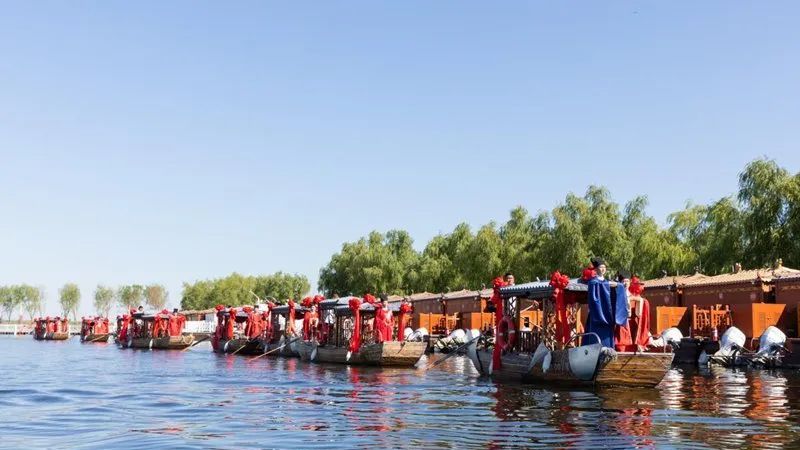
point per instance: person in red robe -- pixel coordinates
(635, 334)
(384, 321)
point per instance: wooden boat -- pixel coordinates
(160, 331)
(537, 356)
(335, 344)
(94, 329)
(51, 329)
(241, 331)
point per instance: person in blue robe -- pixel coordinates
(605, 310)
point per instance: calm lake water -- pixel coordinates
(73, 395)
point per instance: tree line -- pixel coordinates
(757, 226)
(237, 290)
(31, 300)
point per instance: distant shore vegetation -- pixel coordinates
(237, 290)
(757, 226)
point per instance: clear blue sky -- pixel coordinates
(172, 141)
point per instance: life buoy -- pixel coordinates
(506, 334)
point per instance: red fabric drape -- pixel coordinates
(355, 339)
(125, 328)
(406, 309)
(384, 323)
(497, 300)
(176, 322)
(559, 282)
(307, 325)
(230, 323)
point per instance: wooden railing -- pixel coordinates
(706, 318)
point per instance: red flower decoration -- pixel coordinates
(318, 299)
(498, 282)
(559, 281)
(589, 273)
(219, 307)
(406, 308)
(369, 298)
(637, 287)
(355, 303)
(307, 302)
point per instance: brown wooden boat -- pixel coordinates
(384, 354)
(94, 329)
(51, 329)
(160, 331)
(537, 357)
(338, 319)
(162, 343)
(53, 336)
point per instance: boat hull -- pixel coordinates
(384, 354)
(241, 346)
(621, 369)
(162, 343)
(53, 336)
(95, 338)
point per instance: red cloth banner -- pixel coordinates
(497, 301)
(560, 282)
(355, 339)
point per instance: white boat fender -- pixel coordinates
(407, 333)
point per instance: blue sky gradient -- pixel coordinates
(173, 141)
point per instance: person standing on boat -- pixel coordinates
(384, 322)
(509, 278)
(634, 335)
(606, 311)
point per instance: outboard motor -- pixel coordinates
(670, 336)
(418, 336)
(472, 337)
(770, 345)
(731, 344)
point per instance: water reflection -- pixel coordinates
(196, 399)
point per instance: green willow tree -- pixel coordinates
(70, 299)
(156, 296)
(31, 300)
(103, 298)
(130, 296)
(238, 290)
(758, 225)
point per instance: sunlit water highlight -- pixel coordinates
(73, 395)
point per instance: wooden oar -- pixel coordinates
(240, 348)
(451, 354)
(197, 342)
(274, 349)
(98, 338)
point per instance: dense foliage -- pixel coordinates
(21, 296)
(237, 290)
(756, 227)
(70, 299)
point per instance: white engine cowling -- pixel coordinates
(668, 336)
(771, 338)
(418, 336)
(731, 341)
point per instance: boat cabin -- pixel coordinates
(94, 329)
(742, 298)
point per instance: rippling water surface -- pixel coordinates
(73, 395)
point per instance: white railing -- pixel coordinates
(15, 328)
(199, 326)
